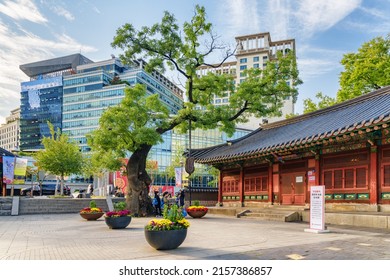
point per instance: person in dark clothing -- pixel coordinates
(157, 204)
(181, 198)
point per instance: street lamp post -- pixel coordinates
(190, 161)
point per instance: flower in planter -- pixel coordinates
(119, 211)
(87, 210)
(197, 208)
(173, 220)
(91, 209)
(197, 211)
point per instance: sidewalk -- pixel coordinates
(214, 237)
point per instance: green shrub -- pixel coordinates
(119, 206)
(92, 204)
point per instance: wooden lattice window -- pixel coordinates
(328, 179)
(338, 179)
(361, 177)
(346, 178)
(386, 175)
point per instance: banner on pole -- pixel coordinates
(8, 169)
(178, 177)
(20, 171)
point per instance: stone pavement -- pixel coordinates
(214, 237)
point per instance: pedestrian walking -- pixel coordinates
(157, 204)
(181, 198)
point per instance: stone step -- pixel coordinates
(282, 216)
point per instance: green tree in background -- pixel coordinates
(59, 157)
(364, 71)
(324, 101)
(139, 121)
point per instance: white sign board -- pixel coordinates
(317, 209)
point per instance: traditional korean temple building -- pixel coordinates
(345, 147)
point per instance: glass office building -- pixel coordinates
(41, 98)
(91, 90)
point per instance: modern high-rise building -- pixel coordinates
(253, 51)
(96, 86)
(41, 97)
(9, 132)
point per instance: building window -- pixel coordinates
(243, 74)
(243, 60)
(346, 178)
(243, 67)
(255, 59)
(265, 57)
(256, 65)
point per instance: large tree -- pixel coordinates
(364, 71)
(59, 156)
(139, 121)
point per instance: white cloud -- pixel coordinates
(240, 16)
(316, 16)
(19, 46)
(22, 10)
(61, 11)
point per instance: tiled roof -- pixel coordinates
(364, 111)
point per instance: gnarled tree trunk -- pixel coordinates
(137, 198)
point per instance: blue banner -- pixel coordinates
(8, 169)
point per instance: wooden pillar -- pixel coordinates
(313, 175)
(373, 175)
(270, 184)
(241, 186)
(275, 183)
(220, 201)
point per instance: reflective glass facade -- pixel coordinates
(41, 101)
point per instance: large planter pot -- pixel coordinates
(91, 216)
(165, 239)
(117, 222)
(197, 214)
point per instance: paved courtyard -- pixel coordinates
(214, 237)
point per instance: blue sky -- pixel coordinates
(33, 30)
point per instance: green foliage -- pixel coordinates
(366, 70)
(100, 161)
(261, 94)
(128, 126)
(323, 102)
(172, 213)
(59, 157)
(119, 206)
(92, 204)
(196, 203)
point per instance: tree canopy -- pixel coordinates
(59, 156)
(140, 120)
(364, 71)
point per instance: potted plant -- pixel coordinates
(119, 218)
(167, 233)
(92, 212)
(197, 211)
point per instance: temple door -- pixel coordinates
(293, 187)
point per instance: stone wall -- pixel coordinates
(59, 205)
(5, 206)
